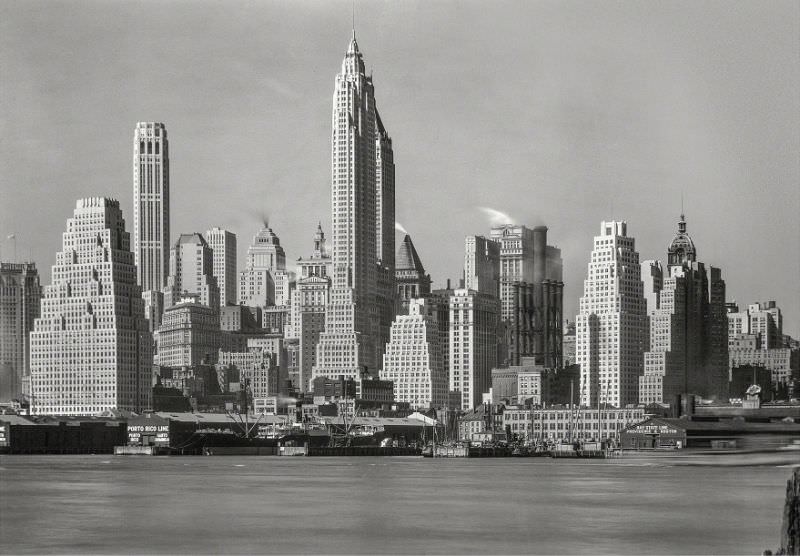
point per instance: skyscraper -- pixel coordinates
(410, 278)
(413, 358)
(20, 294)
(191, 271)
(611, 325)
(482, 265)
(354, 325)
(91, 349)
(319, 263)
(223, 247)
(531, 294)
(687, 326)
(265, 256)
(151, 205)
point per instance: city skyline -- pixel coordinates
(744, 176)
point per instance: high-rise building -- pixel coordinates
(687, 327)
(265, 256)
(151, 205)
(611, 325)
(20, 294)
(356, 317)
(755, 337)
(413, 358)
(91, 349)
(482, 265)
(223, 248)
(384, 236)
(191, 271)
(472, 344)
(410, 278)
(189, 334)
(531, 295)
(309, 301)
(319, 263)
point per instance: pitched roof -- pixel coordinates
(407, 258)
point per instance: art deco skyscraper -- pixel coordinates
(611, 326)
(91, 349)
(353, 327)
(151, 242)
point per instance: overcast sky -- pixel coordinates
(562, 113)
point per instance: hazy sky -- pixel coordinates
(562, 113)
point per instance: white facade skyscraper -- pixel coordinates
(91, 349)
(356, 318)
(265, 257)
(223, 247)
(611, 326)
(413, 358)
(151, 241)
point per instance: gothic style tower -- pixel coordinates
(362, 202)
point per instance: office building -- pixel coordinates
(20, 294)
(320, 262)
(91, 349)
(265, 256)
(482, 265)
(151, 205)
(356, 322)
(410, 278)
(191, 272)
(223, 249)
(472, 343)
(413, 358)
(610, 329)
(189, 334)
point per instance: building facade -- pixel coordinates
(482, 265)
(565, 424)
(189, 334)
(20, 296)
(223, 249)
(610, 329)
(91, 349)
(191, 272)
(472, 344)
(265, 256)
(151, 205)
(354, 325)
(413, 358)
(410, 278)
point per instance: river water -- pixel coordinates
(201, 505)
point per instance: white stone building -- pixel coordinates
(91, 349)
(413, 358)
(223, 247)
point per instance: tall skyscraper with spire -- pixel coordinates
(151, 205)
(362, 202)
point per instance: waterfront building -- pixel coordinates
(687, 326)
(191, 272)
(20, 295)
(610, 329)
(410, 278)
(151, 205)
(472, 343)
(356, 318)
(91, 349)
(265, 256)
(565, 424)
(255, 365)
(777, 360)
(223, 248)
(189, 334)
(413, 358)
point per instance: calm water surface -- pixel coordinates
(201, 505)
